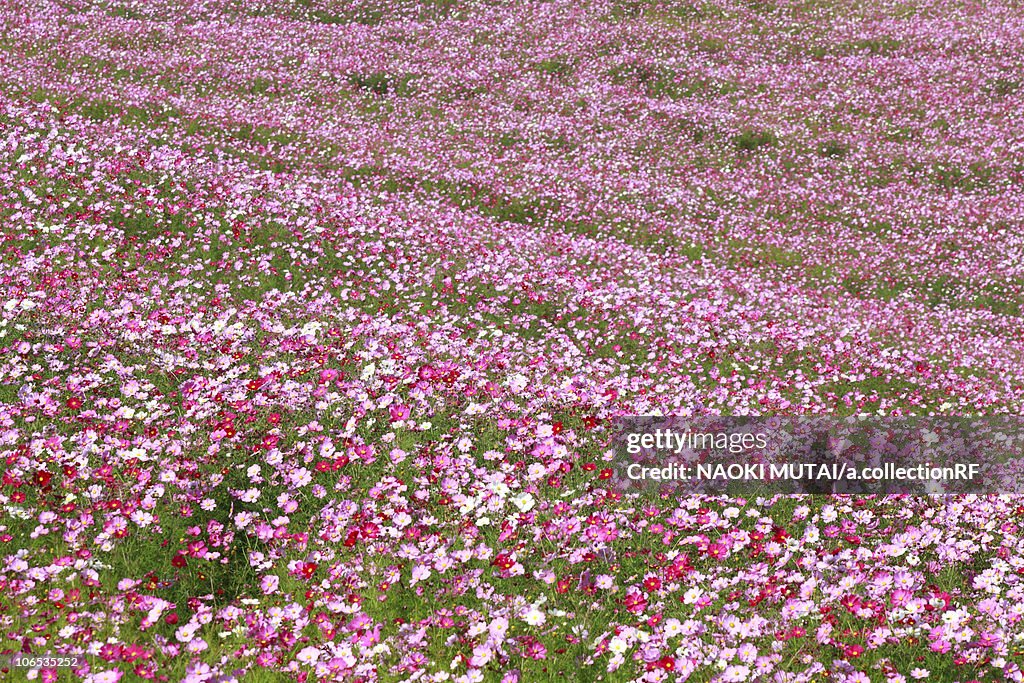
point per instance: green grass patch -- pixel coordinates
(753, 140)
(663, 82)
(381, 83)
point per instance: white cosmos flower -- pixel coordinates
(308, 655)
(534, 617)
(523, 501)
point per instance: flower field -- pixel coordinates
(315, 315)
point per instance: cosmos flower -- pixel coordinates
(316, 319)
